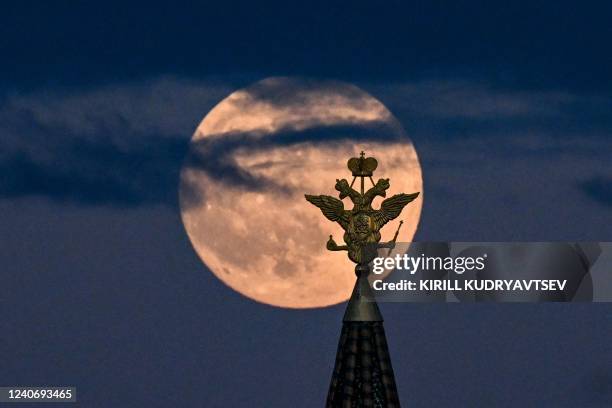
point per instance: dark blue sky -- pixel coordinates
(537, 43)
(509, 109)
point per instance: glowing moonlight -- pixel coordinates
(251, 161)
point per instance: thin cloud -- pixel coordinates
(474, 100)
(216, 156)
(118, 144)
(124, 144)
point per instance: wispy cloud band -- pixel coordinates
(124, 144)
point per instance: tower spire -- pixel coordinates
(363, 375)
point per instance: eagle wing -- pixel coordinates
(392, 207)
(331, 207)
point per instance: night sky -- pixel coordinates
(509, 108)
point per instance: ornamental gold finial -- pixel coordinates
(362, 223)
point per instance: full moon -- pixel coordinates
(252, 159)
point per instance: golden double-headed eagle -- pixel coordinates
(362, 223)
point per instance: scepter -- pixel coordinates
(395, 237)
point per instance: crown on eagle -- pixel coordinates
(362, 166)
